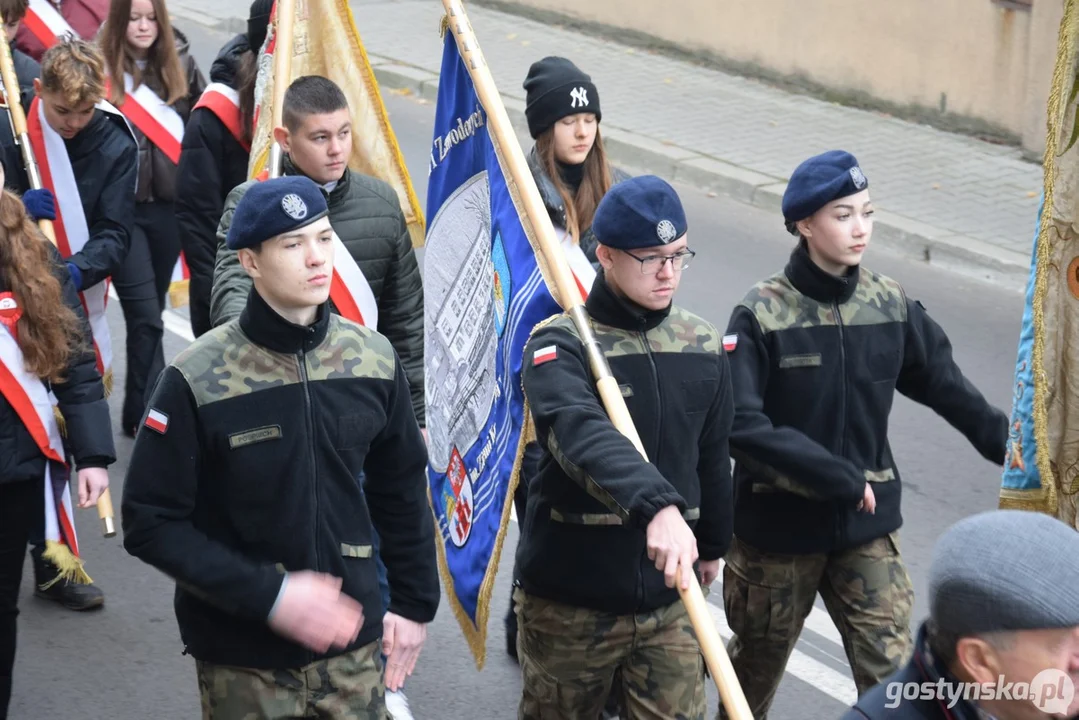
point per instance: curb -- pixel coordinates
(894, 234)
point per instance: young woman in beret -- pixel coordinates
(817, 352)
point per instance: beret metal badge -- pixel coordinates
(666, 231)
(294, 206)
(857, 176)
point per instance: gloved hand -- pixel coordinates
(40, 204)
(76, 275)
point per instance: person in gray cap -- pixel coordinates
(1002, 638)
(818, 352)
(607, 532)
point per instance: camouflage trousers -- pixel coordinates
(347, 687)
(569, 657)
(768, 596)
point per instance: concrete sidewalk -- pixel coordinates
(946, 199)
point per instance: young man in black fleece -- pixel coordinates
(817, 352)
(608, 533)
(243, 486)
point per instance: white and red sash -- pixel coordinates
(159, 122)
(72, 232)
(46, 23)
(582, 269)
(349, 290)
(31, 400)
(163, 127)
(224, 102)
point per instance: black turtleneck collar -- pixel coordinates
(265, 327)
(572, 175)
(608, 307)
(822, 286)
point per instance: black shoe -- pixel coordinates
(48, 585)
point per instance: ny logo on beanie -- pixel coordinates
(578, 97)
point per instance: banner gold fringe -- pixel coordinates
(1045, 499)
(70, 567)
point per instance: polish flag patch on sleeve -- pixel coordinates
(730, 342)
(544, 355)
(157, 421)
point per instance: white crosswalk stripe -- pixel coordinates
(825, 639)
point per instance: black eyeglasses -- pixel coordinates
(652, 264)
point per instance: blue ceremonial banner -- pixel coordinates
(483, 294)
(1041, 471)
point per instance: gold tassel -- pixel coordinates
(60, 421)
(179, 293)
(66, 562)
(107, 382)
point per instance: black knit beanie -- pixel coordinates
(555, 88)
(258, 23)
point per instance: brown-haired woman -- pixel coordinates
(568, 161)
(45, 345)
(217, 147)
(155, 82)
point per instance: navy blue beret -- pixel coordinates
(641, 212)
(272, 207)
(820, 180)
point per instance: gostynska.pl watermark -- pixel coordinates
(1051, 691)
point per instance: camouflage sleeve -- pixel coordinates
(396, 491)
(782, 450)
(160, 493)
(231, 284)
(931, 376)
(716, 525)
(573, 425)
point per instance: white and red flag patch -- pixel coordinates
(543, 355)
(157, 421)
(730, 342)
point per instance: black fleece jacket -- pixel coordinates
(583, 541)
(254, 471)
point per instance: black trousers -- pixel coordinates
(142, 284)
(22, 505)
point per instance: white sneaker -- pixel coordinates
(397, 706)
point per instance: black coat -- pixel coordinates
(27, 69)
(157, 172)
(556, 208)
(816, 362)
(81, 399)
(104, 158)
(267, 428)
(212, 163)
(583, 539)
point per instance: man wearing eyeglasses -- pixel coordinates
(606, 531)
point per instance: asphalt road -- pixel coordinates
(125, 661)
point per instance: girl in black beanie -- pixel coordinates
(568, 160)
(570, 167)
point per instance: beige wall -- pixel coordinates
(974, 52)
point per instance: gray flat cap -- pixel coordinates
(1005, 570)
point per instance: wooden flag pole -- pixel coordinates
(18, 126)
(282, 72)
(715, 655)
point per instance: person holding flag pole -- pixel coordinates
(477, 206)
(54, 579)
